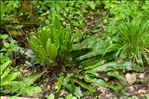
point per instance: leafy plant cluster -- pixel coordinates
(134, 40)
(129, 30)
(11, 7)
(7, 46)
(96, 68)
(9, 84)
(10, 76)
(80, 17)
(96, 43)
(52, 44)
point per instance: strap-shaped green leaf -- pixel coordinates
(59, 83)
(31, 79)
(51, 49)
(117, 75)
(85, 86)
(4, 66)
(7, 80)
(95, 81)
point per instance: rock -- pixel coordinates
(131, 78)
(131, 88)
(141, 75)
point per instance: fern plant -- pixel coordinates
(52, 43)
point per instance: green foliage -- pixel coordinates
(80, 17)
(94, 70)
(120, 44)
(10, 84)
(128, 30)
(25, 86)
(7, 45)
(83, 84)
(147, 96)
(52, 44)
(123, 9)
(135, 38)
(100, 75)
(70, 96)
(132, 37)
(95, 67)
(51, 96)
(95, 46)
(69, 84)
(8, 74)
(11, 7)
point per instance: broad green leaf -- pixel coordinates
(71, 88)
(70, 96)
(91, 54)
(112, 47)
(89, 42)
(67, 79)
(51, 96)
(37, 89)
(117, 88)
(4, 66)
(31, 79)
(4, 36)
(7, 45)
(8, 80)
(7, 72)
(59, 83)
(137, 68)
(78, 93)
(117, 75)
(29, 90)
(95, 81)
(51, 49)
(94, 66)
(32, 90)
(89, 62)
(7, 83)
(106, 67)
(83, 85)
(75, 90)
(128, 65)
